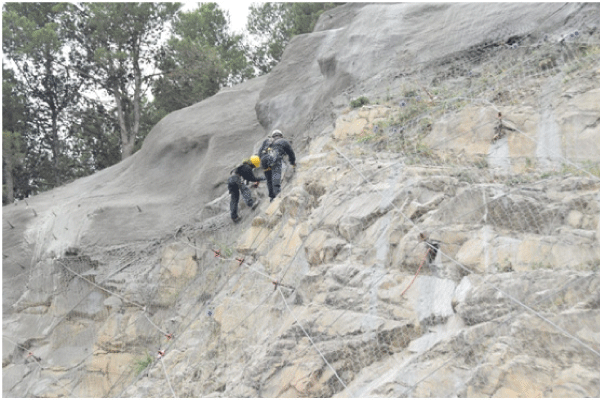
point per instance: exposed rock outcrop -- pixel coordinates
(425, 246)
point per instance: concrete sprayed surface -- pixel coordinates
(134, 282)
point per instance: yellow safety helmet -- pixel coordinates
(255, 159)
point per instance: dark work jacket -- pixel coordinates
(281, 145)
(245, 171)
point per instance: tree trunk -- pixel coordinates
(126, 148)
(127, 140)
(54, 110)
(55, 149)
(8, 177)
(137, 88)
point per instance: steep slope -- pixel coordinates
(330, 290)
(183, 164)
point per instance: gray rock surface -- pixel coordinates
(133, 282)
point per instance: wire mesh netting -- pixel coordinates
(442, 243)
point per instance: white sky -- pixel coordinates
(238, 11)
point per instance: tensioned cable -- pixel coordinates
(31, 354)
(289, 265)
(143, 308)
(560, 156)
(225, 282)
(139, 306)
(472, 272)
(90, 354)
(483, 337)
(311, 340)
(530, 309)
(300, 248)
(101, 288)
(263, 274)
(251, 269)
(167, 376)
(267, 297)
(128, 325)
(316, 226)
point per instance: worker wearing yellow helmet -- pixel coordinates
(238, 181)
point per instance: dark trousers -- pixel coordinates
(235, 184)
(273, 177)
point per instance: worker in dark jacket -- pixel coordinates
(238, 181)
(271, 153)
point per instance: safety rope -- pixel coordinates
(37, 360)
(485, 337)
(262, 274)
(470, 271)
(240, 263)
(417, 273)
(143, 308)
(161, 359)
(311, 340)
(99, 287)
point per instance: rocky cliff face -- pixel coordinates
(441, 240)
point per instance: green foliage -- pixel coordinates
(32, 29)
(537, 265)
(225, 250)
(272, 26)
(590, 167)
(367, 138)
(413, 110)
(425, 125)
(14, 103)
(192, 73)
(116, 42)
(199, 59)
(12, 156)
(63, 50)
(481, 163)
(358, 102)
(206, 25)
(528, 163)
(140, 364)
(36, 40)
(424, 150)
(96, 144)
